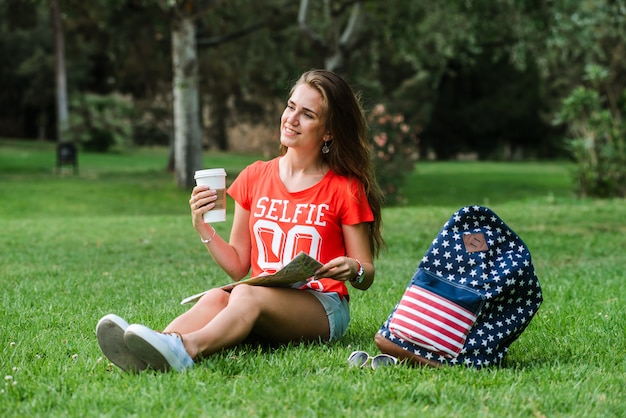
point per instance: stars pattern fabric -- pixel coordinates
(483, 268)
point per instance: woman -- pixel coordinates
(319, 196)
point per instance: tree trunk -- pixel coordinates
(219, 114)
(187, 130)
(343, 45)
(335, 48)
(60, 76)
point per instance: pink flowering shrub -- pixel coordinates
(395, 146)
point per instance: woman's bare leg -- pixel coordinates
(277, 314)
(201, 313)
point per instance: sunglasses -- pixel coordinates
(361, 358)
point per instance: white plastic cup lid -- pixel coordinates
(210, 173)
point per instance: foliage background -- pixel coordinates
(484, 77)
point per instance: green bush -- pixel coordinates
(395, 146)
(598, 136)
(100, 122)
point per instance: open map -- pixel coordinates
(300, 268)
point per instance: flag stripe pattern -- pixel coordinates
(431, 321)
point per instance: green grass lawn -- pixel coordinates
(118, 238)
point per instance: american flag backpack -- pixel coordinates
(474, 292)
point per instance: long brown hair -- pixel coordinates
(349, 150)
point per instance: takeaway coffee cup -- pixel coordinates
(215, 179)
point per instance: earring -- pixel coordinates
(325, 149)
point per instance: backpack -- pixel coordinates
(473, 294)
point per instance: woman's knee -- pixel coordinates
(214, 297)
(244, 292)
(254, 300)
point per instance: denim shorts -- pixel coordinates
(338, 312)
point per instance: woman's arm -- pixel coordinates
(233, 256)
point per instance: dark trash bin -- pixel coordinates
(67, 154)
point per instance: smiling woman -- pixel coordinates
(319, 197)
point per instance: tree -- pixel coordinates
(60, 76)
(187, 128)
(26, 70)
(187, 131)
(336, 46)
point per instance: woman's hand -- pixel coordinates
(340, 268)
(201, 201)
(346, 268)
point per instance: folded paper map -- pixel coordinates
(300, 268)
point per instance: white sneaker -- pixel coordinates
(110, 332)
(161, 351)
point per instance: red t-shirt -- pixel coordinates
(282, 224)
